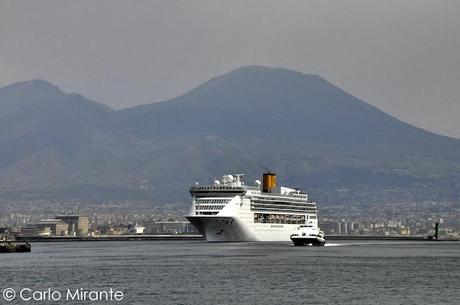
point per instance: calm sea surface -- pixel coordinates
(194, 272)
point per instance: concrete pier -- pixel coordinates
(200, 237)
(112, 238)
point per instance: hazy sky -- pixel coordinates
(401, 56)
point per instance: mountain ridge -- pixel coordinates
(312, 133)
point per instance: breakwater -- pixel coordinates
(111, 238)
(13, 246)
(200, 237)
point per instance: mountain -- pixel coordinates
(313, 134)
(36, 115)
(51, 141)
(255, 102)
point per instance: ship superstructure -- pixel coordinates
(230, 210)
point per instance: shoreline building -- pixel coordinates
(78, 225)
(46, 227)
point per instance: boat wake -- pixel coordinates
(362, 243)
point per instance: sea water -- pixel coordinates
(196, 272)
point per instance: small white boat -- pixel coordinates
(308, 235)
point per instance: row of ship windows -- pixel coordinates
(268, 199)
(199, 188)
(258, 198)
(307, 204)
(225, 198)
(209, 207)
(278, 218)
(282, 211)
(281, 208)
(258, 207)
(215, 195)
(277, 198)
(275, 203)
(208, 201)
(271, 218)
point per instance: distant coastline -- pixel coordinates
(200, 237)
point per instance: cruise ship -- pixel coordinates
(229, 210)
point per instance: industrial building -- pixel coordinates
(46, 227)
(61, 225)
(77, 225)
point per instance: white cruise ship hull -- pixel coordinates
(232, 229)
(230, 211)
(221, 228)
